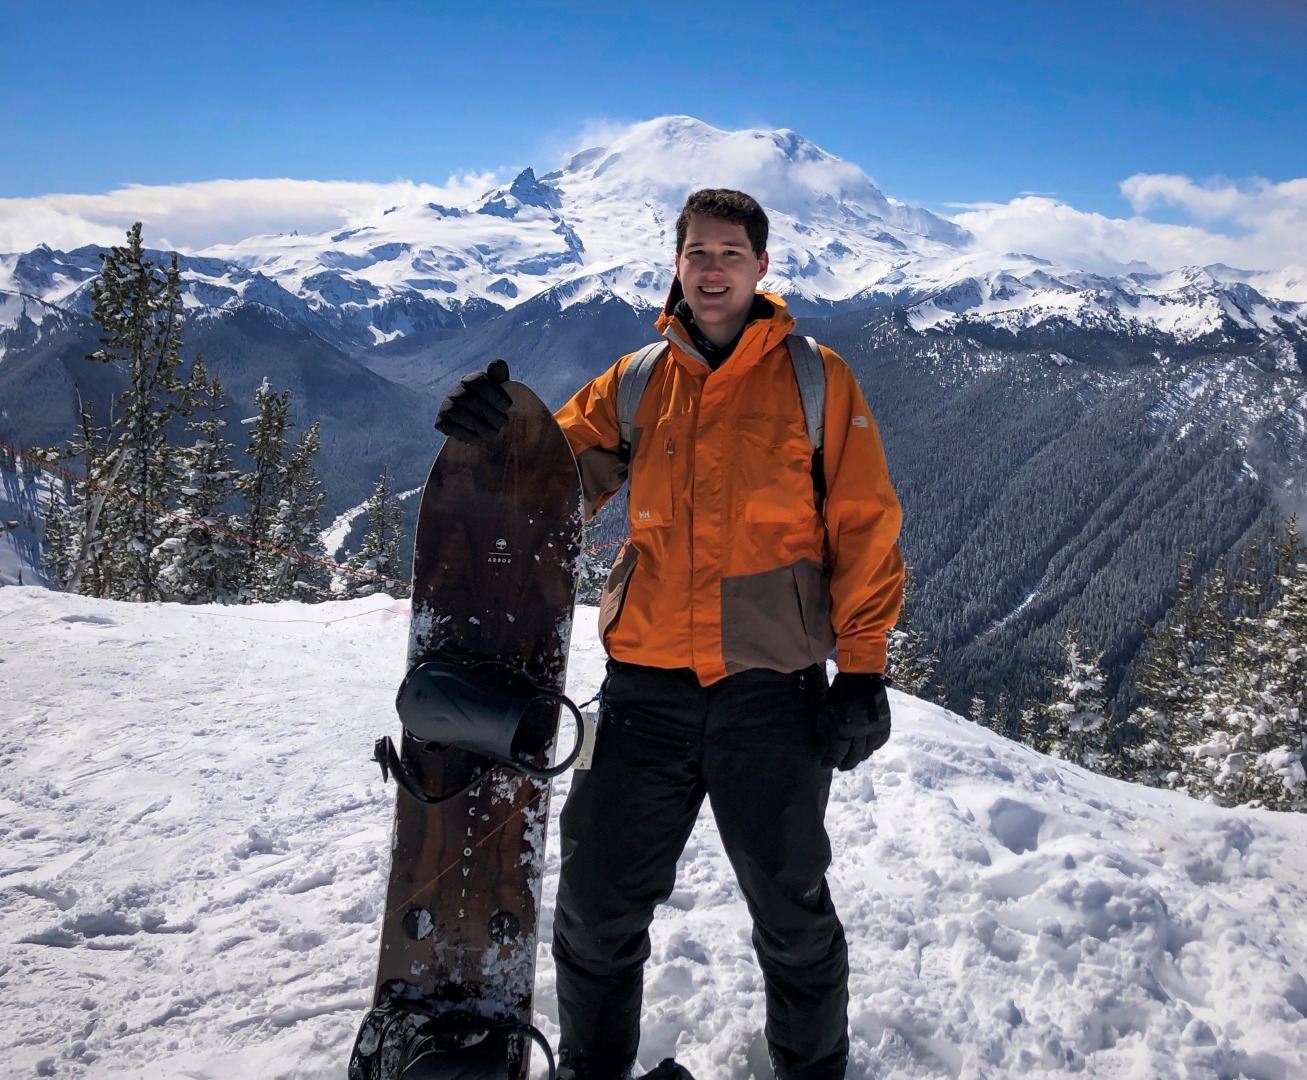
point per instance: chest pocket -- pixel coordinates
(774, 471)
(658, 472)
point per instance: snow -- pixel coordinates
(604, 226)
(194, 843)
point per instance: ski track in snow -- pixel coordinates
(194, 840)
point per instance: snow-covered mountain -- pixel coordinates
(603, 226)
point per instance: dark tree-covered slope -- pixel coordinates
(367, 420)
(1040, 491)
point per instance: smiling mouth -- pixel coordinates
(712, 290)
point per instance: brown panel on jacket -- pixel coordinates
(602, 473)
(778, 619)
(610, 601)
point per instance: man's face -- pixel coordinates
(719, 273)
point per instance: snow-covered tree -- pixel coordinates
(199, 563)
(1004, 720)
(261, 486)
(1249, 751)
(1030, 727)
(59, 539)
(1171, 651)
(912, 661)
(293, 529)
(594, 566)
(139, 309)
(283, 498)
(75, 545)
(1077, 727)
(379, 552)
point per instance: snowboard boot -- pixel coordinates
(667, 1069)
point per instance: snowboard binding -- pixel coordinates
(485, 707)
(405, 1039)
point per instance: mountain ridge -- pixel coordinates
(606, 220)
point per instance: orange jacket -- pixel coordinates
(730, 564)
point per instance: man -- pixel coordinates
(751, 556)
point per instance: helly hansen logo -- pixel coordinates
(860, 421)
(644, 515)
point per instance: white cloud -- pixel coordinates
(1257, 225)
(190, 217)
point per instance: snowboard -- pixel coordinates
(495, 569)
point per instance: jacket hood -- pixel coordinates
(674, 296)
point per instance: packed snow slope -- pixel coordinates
(193, 845)
(603, 227)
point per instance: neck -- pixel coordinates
(721, 334)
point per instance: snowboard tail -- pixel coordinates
(494, 580)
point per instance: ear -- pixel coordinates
(763, 263)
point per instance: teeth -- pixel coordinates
(704, 288)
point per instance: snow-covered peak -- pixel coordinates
(663, 160)
(604, 226)
(611, 210)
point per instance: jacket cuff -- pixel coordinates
(868, 656)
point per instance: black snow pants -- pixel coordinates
(749, 742)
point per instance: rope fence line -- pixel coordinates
(177, 516)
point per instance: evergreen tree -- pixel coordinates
(379, 552)
(977, 714)
(1030, 729)
(911, 661)
(261, 486)
(1077, 727)
(139, 309)
(78, 558)
(1004, 721)
(1251, 749)
(59, 535)
(594, 566)
(1281, 766)
(1198, 736)
(197, 564)
(1171, 693)
(293, 529)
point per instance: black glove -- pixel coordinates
(477, 408)
(855, 722)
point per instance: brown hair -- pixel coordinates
(723, 204)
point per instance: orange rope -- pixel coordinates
(204, 525)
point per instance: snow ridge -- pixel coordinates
(603, 226)
(196, 846)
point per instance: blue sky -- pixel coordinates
(939, 102)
